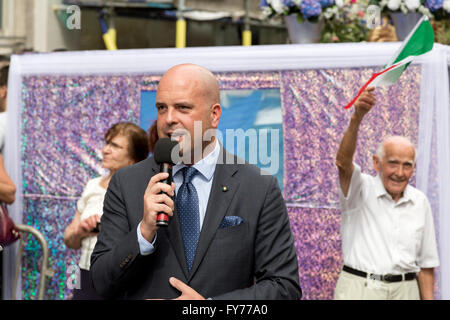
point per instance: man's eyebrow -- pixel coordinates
(398, 161)
(183, 103)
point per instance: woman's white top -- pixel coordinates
(90, 203)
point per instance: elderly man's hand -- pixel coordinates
(365, 102)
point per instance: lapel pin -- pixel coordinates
(224, 188)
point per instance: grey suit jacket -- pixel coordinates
(253, 260)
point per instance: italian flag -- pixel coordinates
(419, 41)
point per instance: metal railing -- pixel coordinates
(45, 271)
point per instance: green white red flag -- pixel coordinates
(419, 41)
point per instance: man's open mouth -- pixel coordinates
(177, 135)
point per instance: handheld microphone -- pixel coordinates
(162, 154)
(97, 227)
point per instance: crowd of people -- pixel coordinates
(229, 235)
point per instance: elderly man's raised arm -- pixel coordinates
(344, 157)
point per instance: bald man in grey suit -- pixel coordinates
(244, 247)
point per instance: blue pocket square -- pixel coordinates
(230, 221)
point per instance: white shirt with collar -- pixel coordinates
(202, 182)
(383, 237)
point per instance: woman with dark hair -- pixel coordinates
(126, 144)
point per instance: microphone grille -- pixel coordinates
(163, 150)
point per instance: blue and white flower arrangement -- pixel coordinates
(437, 9)
(309, 10)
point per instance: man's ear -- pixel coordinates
(376, 163)
(215, 112)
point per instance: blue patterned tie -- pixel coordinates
(188, 211)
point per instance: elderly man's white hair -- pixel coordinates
(381, 152)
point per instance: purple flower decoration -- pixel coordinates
(310, 8)
(434, 5)
(263, 3)
(326, 3)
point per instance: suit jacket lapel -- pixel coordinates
(173, 232)
(218, 204)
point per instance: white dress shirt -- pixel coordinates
(90, 203)
(383, 237)
(202, 182)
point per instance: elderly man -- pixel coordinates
(229, 235)
(388, 240)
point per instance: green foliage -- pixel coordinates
(345, 23)
(442, 31)
(336, 31)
